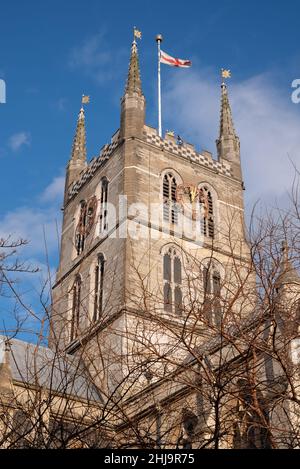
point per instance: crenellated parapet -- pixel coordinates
(185, 150)
(150, 136)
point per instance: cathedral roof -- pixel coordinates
(57, 371)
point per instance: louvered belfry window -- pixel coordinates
(170, 213)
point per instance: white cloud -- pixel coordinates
(96, 60)
(266, 121)
(16, 141)
(90, 52)
(30, 222)
(55, 190)
(40, 225)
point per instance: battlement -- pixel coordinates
(185, 150)
(150, 135)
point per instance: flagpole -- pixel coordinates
(159, 39)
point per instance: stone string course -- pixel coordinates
(150, 136)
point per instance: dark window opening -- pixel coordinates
(177, 270)
(178, 300)
(167, 267)
(76, 293)
(251, 430)
(167, 297)
(103, 205)
(81, 228)
(99, 278)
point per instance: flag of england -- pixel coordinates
(173, 62)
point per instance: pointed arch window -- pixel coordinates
(207, 212)
(251, 429)
(172, 273)
(170, 212)
(76, 298)
(103, 205)
(81, 228)
(99, 279)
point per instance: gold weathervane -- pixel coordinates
(225, 73)
(85, 99)
(137, 33)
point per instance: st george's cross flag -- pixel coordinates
(173, 62)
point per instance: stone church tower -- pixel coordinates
(161, 335)
(140, 219)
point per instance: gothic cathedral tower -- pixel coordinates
(140, 220)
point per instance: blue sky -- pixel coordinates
(53, 51)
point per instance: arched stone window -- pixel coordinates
(172, 276)
(23, 426)
(103, 205)
(206, 212)
(189, 422)
(76, 299)
(211, 274)
(251, 429)
(170, 212)
(99, 278)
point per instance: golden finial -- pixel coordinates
(85, 99)
(136, 33)
(225, 74)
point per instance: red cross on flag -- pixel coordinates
(168, 60)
